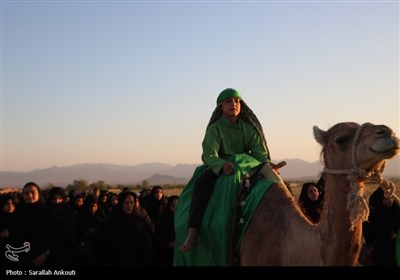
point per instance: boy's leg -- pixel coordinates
(202, 191)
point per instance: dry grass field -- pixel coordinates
(296, 188)
(294, 185)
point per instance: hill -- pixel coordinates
(154, 173)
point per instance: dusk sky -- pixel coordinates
(131, 82)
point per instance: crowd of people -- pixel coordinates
(98, 228)
(102, 228)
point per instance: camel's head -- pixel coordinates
(370, 144)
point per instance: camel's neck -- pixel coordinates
(335, 223)
(336, 189)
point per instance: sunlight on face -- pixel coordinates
(158, 194)
(114, 200)
(231, 107)
(30, 194)
(313, 193)
(79, 202)
(128, 206)
(93, 208)
(9, 206)
(57, 199)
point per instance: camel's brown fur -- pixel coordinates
(279, 234)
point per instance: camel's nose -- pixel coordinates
(396, 142)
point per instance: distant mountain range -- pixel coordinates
(153, 173)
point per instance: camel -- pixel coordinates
(280, 235)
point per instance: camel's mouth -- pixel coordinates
(386, 147)
(386, 153)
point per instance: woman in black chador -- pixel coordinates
(380, 232)
(311, 201)
(51, 240)
(123, 239)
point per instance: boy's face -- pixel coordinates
(231, 107)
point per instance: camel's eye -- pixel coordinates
(341, 140)
(380, 132)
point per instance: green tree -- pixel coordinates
(145, 184)
(81, 185)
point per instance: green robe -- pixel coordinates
(224, 139)
(215, 232)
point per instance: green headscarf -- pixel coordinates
(226, 93)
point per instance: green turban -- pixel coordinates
(226, 93)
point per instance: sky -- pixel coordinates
(131, 82)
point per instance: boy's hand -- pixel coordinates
(228, 168)
(277, 166)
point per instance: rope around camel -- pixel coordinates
(356, 202)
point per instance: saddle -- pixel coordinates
(249, 180)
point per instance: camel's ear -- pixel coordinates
(319, 135)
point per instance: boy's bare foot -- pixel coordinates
(190, 242)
